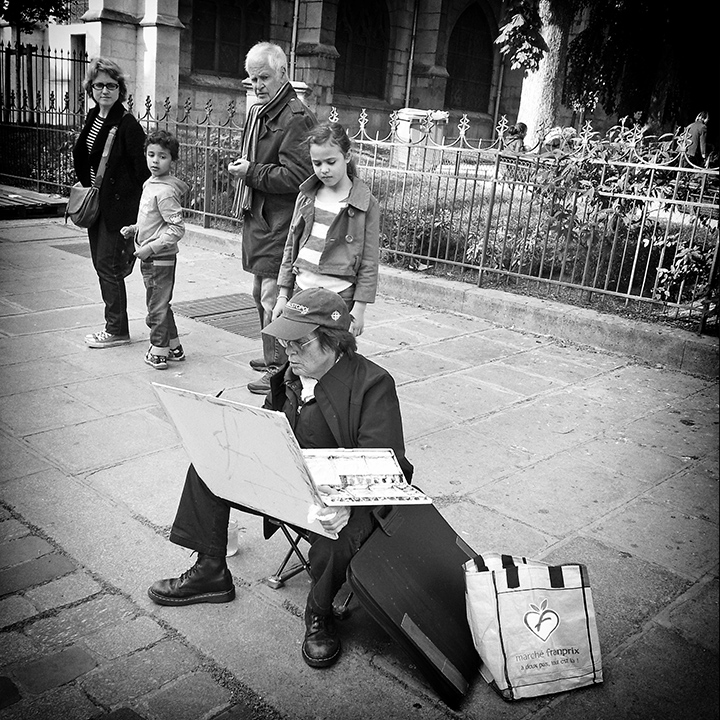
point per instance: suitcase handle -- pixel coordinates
(388, 518)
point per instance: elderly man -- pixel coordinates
(332, 397)
(274, 161)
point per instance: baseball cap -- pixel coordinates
(306, 311)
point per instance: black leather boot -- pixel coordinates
(321, 647)
(207, 581)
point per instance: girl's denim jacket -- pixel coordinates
(352, 243)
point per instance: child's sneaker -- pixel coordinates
(104, 339)
(176, 354)
(159, 362)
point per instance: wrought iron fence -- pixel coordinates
(37, 77)
(624, 223)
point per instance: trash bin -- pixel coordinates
(440, 121)
(409, 127)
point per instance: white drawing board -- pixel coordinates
(244, 454)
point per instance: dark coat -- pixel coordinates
(359, 403)
(126, 169)
(282, 162)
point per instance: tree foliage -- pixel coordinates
(520, 39)
(650, 55)
(25, 15)
(610, 61)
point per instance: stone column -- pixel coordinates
(111, 32)
(143, 37)
(315, 54)
(429, 77)
(158, 55)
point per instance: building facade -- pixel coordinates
(377, 55)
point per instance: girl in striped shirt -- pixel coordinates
(333, 240)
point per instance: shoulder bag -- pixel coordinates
(83, 206)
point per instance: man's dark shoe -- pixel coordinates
(262, 386)
(321, 647)
(258, 364)
(207, 581)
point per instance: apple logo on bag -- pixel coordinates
(541, 621)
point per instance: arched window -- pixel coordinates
(223, 31)
(362, 37)
(470, 63)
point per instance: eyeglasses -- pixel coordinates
(295, 345)
(103, 86)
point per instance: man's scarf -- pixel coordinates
(243, 192)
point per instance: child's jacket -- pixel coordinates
(160, 222)
(352, 243)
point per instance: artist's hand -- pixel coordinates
(239, 168)
(127, 232)
(334, 519)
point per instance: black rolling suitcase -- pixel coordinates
(408, 575)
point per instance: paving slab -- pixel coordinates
(63, 591)
(35, 572)
(529, 442)
(131, 676)
(643, 682)
(192, 696)
(124, 638)
(99, 443)
(16, 648)
(54, 670)
(71, 624)
(689, 545)
(60, 704)
(15, 609)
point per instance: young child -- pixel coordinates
(157, 231)
(333, 240)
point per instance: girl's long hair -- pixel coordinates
(335, 133)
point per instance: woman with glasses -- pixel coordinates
(120, 191)
(332, 397)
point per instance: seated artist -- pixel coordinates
(332, 397)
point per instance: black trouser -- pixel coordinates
(106, 250)
(201, 524)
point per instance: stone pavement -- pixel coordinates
(530, 445)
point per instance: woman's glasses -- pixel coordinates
(295, 345)
(105, 86)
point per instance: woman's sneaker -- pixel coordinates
(176, 354)
(159, 362)
(104, 339)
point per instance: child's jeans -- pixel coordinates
(159, 278)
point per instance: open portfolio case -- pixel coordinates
(250, 456)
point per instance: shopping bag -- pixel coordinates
(83, 205)
(533, 626)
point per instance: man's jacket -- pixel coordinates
(282, 162)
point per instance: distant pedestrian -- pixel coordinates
(630, 122)
(156, 234)
(515, 137)
(335, 231)
(120, 191)
(273, 163)
(696, 134)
